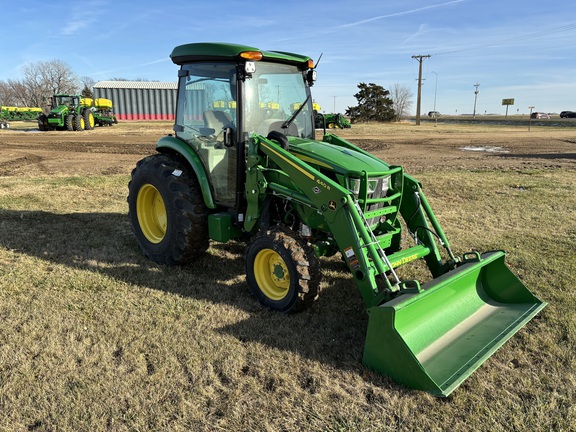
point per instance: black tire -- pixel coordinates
(42, 122)
(79, 123)
(282, 270)
(88, 119)
(70, 122)
(167, 211)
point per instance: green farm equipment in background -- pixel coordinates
(11, 113)
(331, 121)
(261, 176)
(72, 112)
(67, 112)
(103, 112)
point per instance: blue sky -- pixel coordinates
(524, 50)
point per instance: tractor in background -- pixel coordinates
(331, 121)
(68, 112)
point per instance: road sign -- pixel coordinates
(508, 101)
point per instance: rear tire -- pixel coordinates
(167, 211)
(282, 270)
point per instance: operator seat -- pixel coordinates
(216, 120)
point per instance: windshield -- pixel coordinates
(272, 95)
(64, 100)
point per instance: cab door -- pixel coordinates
(206, 118)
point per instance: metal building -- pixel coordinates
(139, 100)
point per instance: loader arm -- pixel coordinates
(342, 212)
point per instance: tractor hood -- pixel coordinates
(337, 158)
(59, 109)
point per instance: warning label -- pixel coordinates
(351, 256)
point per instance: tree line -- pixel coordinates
(43, 79)
(40, 81)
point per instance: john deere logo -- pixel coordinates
(332, 205)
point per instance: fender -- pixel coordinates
(169, 144)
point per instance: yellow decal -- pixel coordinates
(313, 161)
(323, 184)
(404, 260)
(302, 170)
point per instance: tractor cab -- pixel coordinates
(231, 94)
(65, 100)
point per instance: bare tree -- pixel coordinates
(12, 93)
(402, 98)
(87, 81)
(45, 78)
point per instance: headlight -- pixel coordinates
(375, 185)
(354, 186)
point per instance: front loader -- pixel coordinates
(255, 174)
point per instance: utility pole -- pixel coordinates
(420, 59)
(475, 98)
(435, 91)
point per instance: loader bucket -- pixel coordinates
(434, 340)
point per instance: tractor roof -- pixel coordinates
(226, 51)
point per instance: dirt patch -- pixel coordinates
(432, 150)
(115, 150)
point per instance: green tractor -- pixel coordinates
(259, 175)
(332, 121)
(67, 112)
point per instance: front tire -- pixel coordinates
(70, 122)
(42, 122)
(79, 124)
(282, 270)
(88, 119)
(167, 211)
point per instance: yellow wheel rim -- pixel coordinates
(91, 120)
(151, 213)
(271, 274)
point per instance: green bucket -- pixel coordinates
(434, 340)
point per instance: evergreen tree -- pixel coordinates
(87, 93)
(374, 104)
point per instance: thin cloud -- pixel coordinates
(81, 19)
(395, 14)
(75, 26)
(421, 30)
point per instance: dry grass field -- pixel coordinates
(93, 337)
